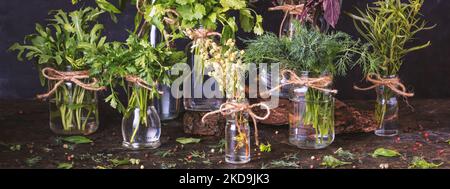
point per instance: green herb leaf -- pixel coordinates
(344, 154)
(385, 153)
(119, 162)
(77, 140)
(33, 161)
(265, 148)
(65, 166)
(420, 163)
(330, 161)
(15, 147)
(283, 163)
(184, 140)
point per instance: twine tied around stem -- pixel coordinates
(201, 33)
(140, 82)
(229, 108)
(319, 83)
(72, 76)
(288, 10)
(392, 83)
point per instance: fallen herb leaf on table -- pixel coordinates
(33, 161)
(65, 166)
(344, 154)
(448, 141)
(197, 154)
(168, 165)
(221, 144)
(135, 161)
(330, 161)
(282, 163)
(184, 140)
(15, 147)
(163, 153)
(265, 148)
(119, 162)
(77, 140)
(385, 153)
(420, 163)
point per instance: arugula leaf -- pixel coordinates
(385, 153)
(77, 139)
(421, 163)
(330, 161)
(184, 140)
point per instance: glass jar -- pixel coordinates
(73, 109)
(141, 125)
(386, 110)
(268, 83)
(237, 136)
(167, 106)
(311, 117)
(199, 79)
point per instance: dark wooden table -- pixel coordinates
(424, 132)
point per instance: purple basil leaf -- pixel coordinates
(332, 11)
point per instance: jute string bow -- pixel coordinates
(72, 76)
(229, 108)
(319, 83)
(288, 10)
(140, 82)
(393, 83)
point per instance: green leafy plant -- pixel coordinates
(385, 153)
(65, 44)
(65, 41)
(420, 163)
(330, 161)
(318, 54)
(209, 14)
(390, 27)
(135, 58)
(307, 50)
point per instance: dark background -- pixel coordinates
(425, 72)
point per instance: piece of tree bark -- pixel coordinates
(347, 119)
(214, 125)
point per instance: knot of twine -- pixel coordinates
(72, 76)
(319, 83)
(393, 83)
(201, 34)
(139, 82)
(229, 108)
(288, 10)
